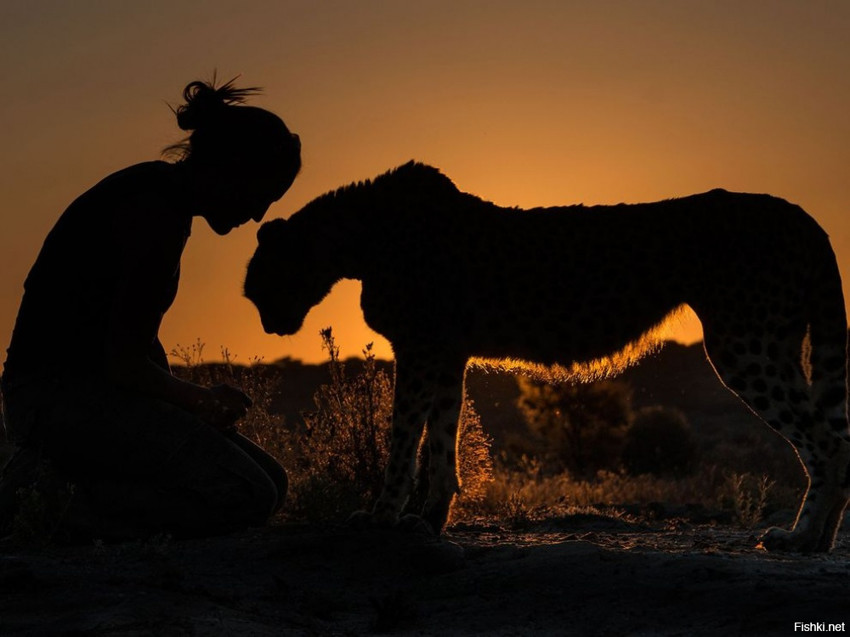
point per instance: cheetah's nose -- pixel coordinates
(268, 327)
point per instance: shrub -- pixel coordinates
(344, 445)
(583, 424)
(345, 441)
(335, 456)
(659, 442)
(750, 496)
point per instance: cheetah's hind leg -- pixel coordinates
(805, 402)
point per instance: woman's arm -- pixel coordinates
(220, 406)
(147, 275)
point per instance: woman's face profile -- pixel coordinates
(235, 201)
(242, 190)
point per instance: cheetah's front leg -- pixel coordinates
(412, 403)
(443, 446)
(426, 388)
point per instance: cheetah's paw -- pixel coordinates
(780, 540)
(415, 525)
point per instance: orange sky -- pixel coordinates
(528, 104)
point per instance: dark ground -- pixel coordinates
(588, 575)
(582, 575)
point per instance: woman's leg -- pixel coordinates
(267, 463)
(142, 466)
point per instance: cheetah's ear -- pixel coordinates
(271, 231)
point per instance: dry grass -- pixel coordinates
(335, 456)
(521, 494)
(339, 451)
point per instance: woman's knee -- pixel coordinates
(262, 501)
(244, 490)
(271, 467)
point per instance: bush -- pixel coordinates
(342, 450)
(660, 443)
(345, 441)
(335, 459)
(583, 424)
(335, 456)
(750, 497)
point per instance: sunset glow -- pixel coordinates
(527, 104)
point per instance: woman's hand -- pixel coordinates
(225, 406)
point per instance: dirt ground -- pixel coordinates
(584, 575)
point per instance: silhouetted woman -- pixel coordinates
(86, 383)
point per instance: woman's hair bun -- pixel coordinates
(204, 101)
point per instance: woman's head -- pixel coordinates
(243, 157)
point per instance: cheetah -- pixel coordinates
(447, 277)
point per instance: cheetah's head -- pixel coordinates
(285, 277)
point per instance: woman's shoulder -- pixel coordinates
(152, 177)
(151, 187)
(143, 199)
